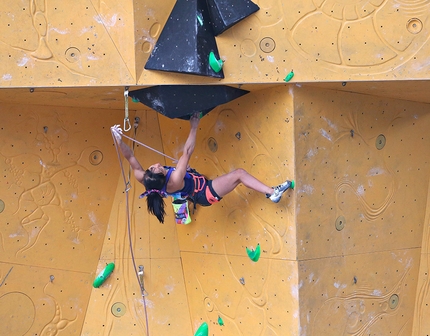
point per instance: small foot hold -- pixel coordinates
(254, 255)
(289, 76)
(203, 330)
(101, 278)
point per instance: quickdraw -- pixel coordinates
(127, 125)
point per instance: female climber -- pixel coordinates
(162, 181)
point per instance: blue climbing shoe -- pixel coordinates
(279, 190)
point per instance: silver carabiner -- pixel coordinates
(127, 125)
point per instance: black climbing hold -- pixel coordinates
(182, 101)
(226, 13)
(186, 41)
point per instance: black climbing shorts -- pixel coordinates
(207, 195)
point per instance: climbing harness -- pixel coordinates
(199, 182)
(139, 274)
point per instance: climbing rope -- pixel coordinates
(154, 150)
(139, 274)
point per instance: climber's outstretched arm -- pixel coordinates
(138, 170)
(178, 175)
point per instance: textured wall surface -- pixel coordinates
(345, 253)
(56, 198)
(53, 43)
(350, 272)
(256, 134)
(155, 247)
(340, 255)
(421, 323)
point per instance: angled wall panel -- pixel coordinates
(186, 41)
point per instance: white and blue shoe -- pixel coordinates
(279, 190)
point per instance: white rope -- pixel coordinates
(139, 273)
(156, 151)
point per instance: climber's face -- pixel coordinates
(157, 169)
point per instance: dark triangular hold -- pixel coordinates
(186, 41)
(226, 13)
(182, 101)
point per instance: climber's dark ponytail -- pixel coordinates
(154, 200)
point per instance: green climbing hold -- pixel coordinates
(203, 330)
(103, 275)
(292, 184)
(220, 321)
(216, 65)
(289, 76)
(254, 255)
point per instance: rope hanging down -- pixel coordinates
(138, 273)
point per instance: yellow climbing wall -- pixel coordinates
(251, 298)
(54, 43)
(421, 323)
(341, 254)
(362, 184)
(226, 284)
(56, 197)
(346, 253)
(117, 307)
